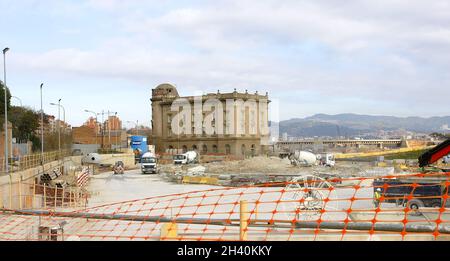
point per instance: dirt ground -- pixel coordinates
(273, 165)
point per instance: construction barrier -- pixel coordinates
(306, 208)
(200, 180)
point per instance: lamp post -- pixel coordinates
(6, 110)
(137, 126)
(21, 105)
(109, 127)
(59, 121)
(117, 131)
(42, 129)
(20, 100)
(96, 123)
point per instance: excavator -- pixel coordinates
(427, 190)
(435, 154)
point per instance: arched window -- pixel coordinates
(215, 149)
(184, 149)
(228, 149)
(205, 149)
(194, 147)
(243, 149)
(253, 150)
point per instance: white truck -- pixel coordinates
(306, 158)
(149, 163)
(327, 159)
(190, 157)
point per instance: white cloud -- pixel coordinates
(392, 50)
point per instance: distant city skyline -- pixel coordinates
(366, 57)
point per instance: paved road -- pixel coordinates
(107, 188)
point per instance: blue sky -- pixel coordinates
(369, 57)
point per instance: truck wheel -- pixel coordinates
(436, 205)
(415, 204)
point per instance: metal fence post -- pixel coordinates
(20, 193)
(62, 197)
(56, 195)
(34, 194)
(45, 196)
(70, 197)
(10, 192)
(243, 235)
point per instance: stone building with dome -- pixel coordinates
(245, 123)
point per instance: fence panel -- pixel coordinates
(306, 208)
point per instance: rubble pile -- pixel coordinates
(253, 165)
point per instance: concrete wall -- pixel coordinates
(128, 159)
(21, 183)
(86, 148)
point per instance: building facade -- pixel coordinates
(108, 135)
(244, 118)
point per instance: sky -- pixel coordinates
(383, 57)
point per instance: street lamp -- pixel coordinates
(6, 110)
(109, 127)
(59, 121)
(42, 129)
(20, 100)
(96, 122)
(64, 109)
(137, 126)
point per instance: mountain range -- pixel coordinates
(356, 125)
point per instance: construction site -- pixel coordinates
(214, 198)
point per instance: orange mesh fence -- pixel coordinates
(407, 207)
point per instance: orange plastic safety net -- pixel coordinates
(406, 207)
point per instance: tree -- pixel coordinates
(25, 122)
(2, 102)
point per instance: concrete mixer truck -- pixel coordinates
(190, 157)
(303, 158)
(149, 163)
(306, 158)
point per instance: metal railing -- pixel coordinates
(32, 195)
(25, 162)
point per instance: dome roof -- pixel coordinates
(167, 89)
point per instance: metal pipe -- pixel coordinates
(358, 226)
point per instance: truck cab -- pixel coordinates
(327, 160)
(149, 164)
(180, 159)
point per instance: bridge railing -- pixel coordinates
(20, 163)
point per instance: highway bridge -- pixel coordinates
(379, 143)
